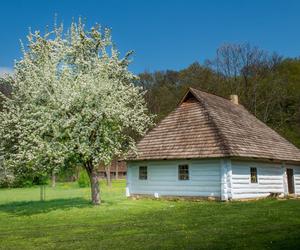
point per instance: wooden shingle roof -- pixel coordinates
(208, 126)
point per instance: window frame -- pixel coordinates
(187, 172)
(253, 173)
(143, 176)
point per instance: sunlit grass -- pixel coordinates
(67, 220)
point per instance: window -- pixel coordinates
(143, 171)
(253, 175)
(183, 172)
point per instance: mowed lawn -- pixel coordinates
(66, 220)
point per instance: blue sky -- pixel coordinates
(169, 34)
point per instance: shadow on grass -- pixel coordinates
(37, 207)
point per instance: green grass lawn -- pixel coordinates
(66, 220)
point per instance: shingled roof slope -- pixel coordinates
(208, 126)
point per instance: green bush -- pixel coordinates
(83, 179)
(22, 181)
(9, 180)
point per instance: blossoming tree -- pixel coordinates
(73, 101)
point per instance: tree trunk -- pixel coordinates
(53, 180)
(95, 189)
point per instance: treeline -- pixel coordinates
(267, 85)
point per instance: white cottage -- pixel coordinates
(213, 147)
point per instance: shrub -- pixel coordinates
(83, 179)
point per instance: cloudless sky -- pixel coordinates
(169, 34)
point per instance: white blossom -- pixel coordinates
(74, 100)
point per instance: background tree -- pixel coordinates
(242, 69)
(73, 100)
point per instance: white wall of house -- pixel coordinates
(269, 179)
(163, 178)
(220, 178)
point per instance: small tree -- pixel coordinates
(73, 101)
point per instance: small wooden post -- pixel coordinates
(42, 192)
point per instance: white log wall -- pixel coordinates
(271, 179)
(220, 178)
(163, 178)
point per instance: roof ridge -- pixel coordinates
(224, 140)
(193, 89)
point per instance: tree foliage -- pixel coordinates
(73, 102)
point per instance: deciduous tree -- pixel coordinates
(73, 100)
